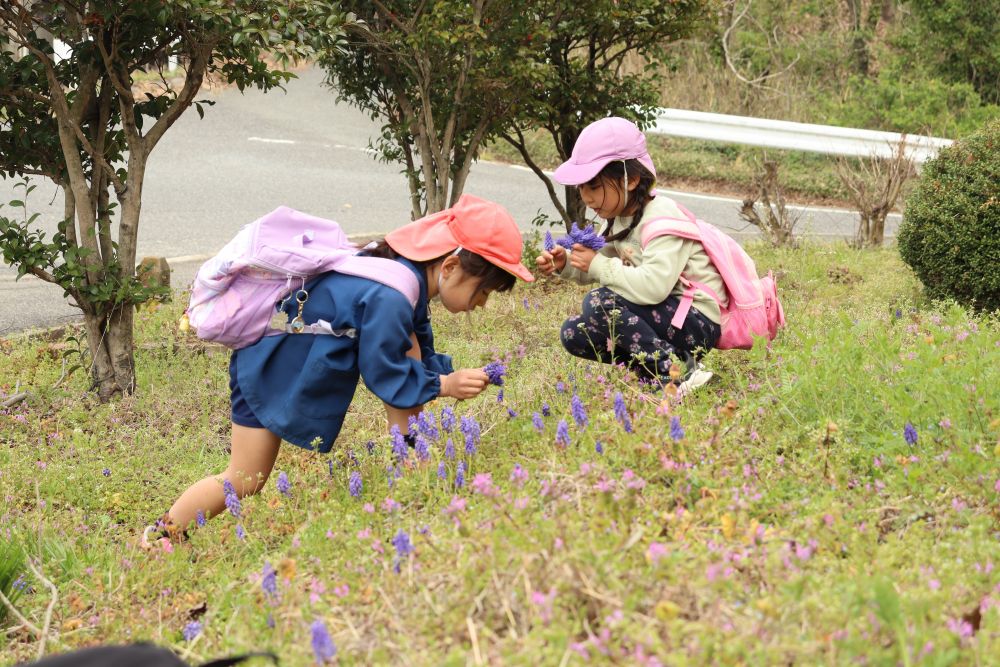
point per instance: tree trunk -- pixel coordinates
(109, 337)
(575, 208)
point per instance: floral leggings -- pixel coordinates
(614, 330)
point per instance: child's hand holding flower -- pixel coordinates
(551, 261)
(581, 257)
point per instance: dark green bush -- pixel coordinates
(950, 235)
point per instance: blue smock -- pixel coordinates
(299, 386)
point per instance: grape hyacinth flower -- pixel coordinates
(191, 630)
(399, 447)
(449, 449)
(232, 500)
(562, 433)
(548, 243)
(621, 412)
(910, 434)
(355, 485)
(495, 370)
(199, 519)
(447, 419)
(460, 475)
(284, 486)
(586, 237)
(442, 471)
(536, 421)
(578, 411)
(240, 532)
(422, 448)
(598, 447)
(269, 582)
(470, 429)
(676, 430)
(322, 644)
(427, 424)
(546, 410)
(403, 547)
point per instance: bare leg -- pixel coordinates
(400, 416)
(254, 451)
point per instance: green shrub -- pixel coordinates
(950, 235)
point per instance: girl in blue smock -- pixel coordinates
(297, 387)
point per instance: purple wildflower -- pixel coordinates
(560, 386)
(676, 430)
(470, 429)
(354, 485)
(562, 433)
(422, 448)
(586, 237)
(399, 447)
(240, 532)
(548, 243)
(598, 447)
(427, 424)
(536, 421)
(199, 519)
(460, 475)
(621, 412)
(106, 472)
(910, 434)
(370, 446)
(518, 475)
(442, 471)
(449, 449)
(500, 396)
(191, 630)
(546, 410)
(269, 581)
(511, 413)
(284, 486)
(578, 411)
(402, 543)
(447, 419)
(322, 644)
(232, 500)
(495, 370)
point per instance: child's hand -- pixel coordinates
(549, 262)
(581, 258)
(466, 383)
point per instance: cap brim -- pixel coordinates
(516, 270)
(571, 173)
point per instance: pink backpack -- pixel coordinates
(237, 293)
(753, 308)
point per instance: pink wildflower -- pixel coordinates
(656, 552)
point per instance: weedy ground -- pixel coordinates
(834, 499)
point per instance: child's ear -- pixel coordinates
(449, 264)
(633, 182)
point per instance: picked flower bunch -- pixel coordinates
(586, 237)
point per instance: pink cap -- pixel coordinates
(478, 225)
(601, 142)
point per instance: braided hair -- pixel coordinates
(614, 172)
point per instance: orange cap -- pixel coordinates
(475, 224)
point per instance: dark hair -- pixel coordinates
(491, 277)
(614, 172)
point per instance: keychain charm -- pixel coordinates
(298, 325)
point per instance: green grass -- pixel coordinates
(792, 522)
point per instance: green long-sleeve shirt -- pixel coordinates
(648, 276)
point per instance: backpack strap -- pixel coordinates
(687, 298)
(386, 271)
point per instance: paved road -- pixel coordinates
(251, 153)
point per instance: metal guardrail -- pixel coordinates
(793, 136)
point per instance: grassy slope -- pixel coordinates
(790, 523)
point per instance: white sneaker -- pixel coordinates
(696, 378)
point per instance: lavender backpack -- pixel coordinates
(237, 295)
